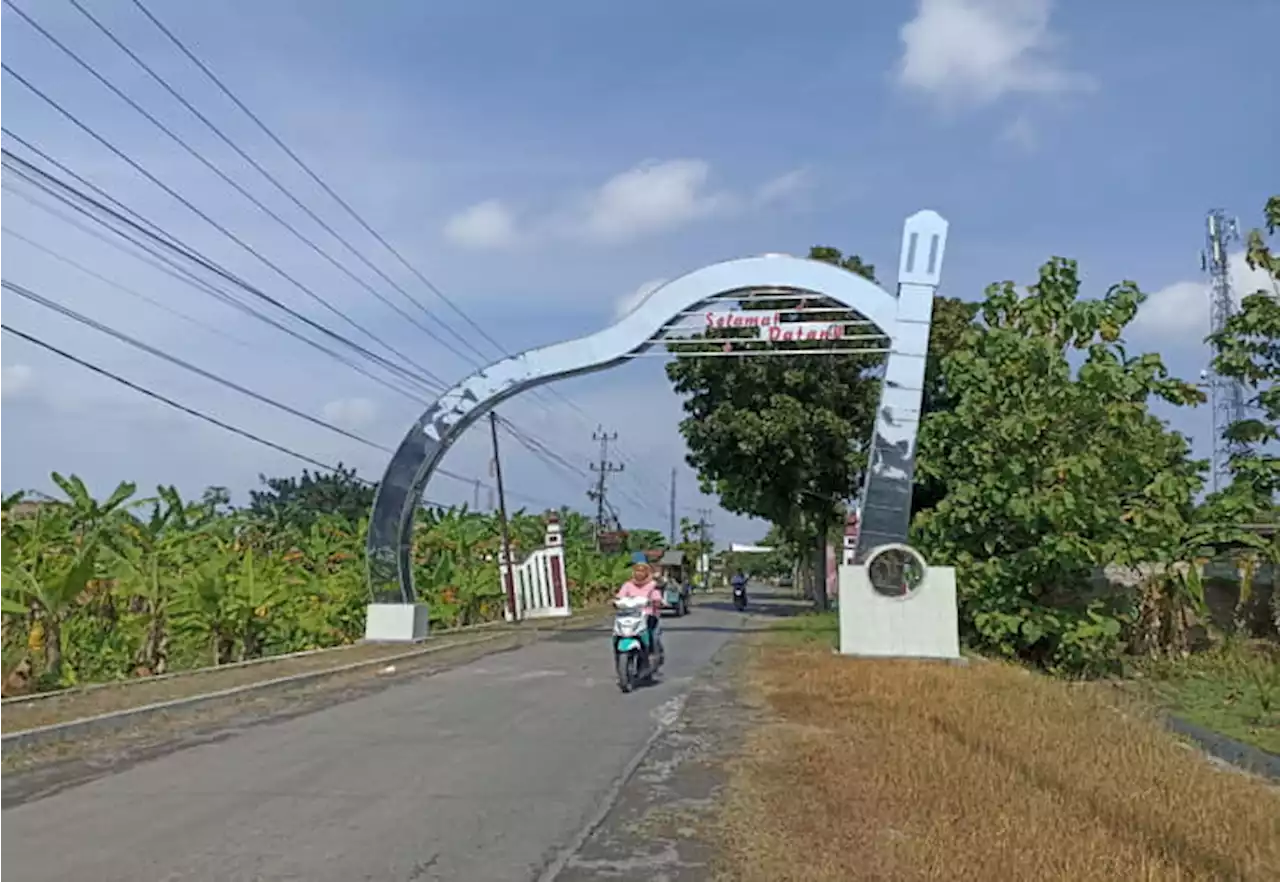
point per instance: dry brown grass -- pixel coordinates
(916, 771)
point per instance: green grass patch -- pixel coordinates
(809, 627)
(1233, 689)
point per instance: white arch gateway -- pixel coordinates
(902, 318)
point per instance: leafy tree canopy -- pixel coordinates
(1052, 470)
(645, 540)
(297, 501)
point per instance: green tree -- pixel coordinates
(645, 540)
(298, 501)
(778, 562)
(1052, 470)
(786, 438)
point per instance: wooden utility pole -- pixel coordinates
(604, 469)
(508, 572)
(704, 549)
(673, 508)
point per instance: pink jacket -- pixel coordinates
(648, 589)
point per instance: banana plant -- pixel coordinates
(200, 609)
(158, 553)
(50, 585)
(87, 515)
(258, 587)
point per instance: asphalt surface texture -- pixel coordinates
(503, 767)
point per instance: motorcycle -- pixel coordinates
(740, 597)
(634, 655)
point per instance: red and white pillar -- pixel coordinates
(850, 538)
(554, 542)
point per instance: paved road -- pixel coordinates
(484, 772)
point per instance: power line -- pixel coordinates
(431, 286)
(33, 296)
(168, 266)
(276, 183)
(28, 294)
(536, 447)
(171, 241)
(182, 47)
(240, 189)
(158, 304)
(29, 172)
(220, 380)
(540, 448)
(213, 223)
(200, 415)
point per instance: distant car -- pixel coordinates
(785, 582)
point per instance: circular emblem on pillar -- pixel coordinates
(895, 570)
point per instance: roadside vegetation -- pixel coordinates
(923, 771)
(1075, 517)
(126, 587)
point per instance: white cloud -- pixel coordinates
(350, 413)
(783, 187)
(977, 51)
(635, 298)
(486, 225)
(1179, 313)
(16, 380)
(648, 199)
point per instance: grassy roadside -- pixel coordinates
(1233, 689)
(919, 771)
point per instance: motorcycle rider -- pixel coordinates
(642, 584)
(739, 583)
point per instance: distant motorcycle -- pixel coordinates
(634, 656)
(740, 596)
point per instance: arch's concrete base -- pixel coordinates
(396, 622)
(924, 624)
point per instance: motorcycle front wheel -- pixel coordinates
(627, 665)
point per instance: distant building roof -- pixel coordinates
(672, 557)
(29, 507)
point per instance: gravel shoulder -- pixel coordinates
(665, 823)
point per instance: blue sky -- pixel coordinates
(543, 162)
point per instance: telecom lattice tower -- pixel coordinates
(1227, 395)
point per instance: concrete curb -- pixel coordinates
(1237, 754)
